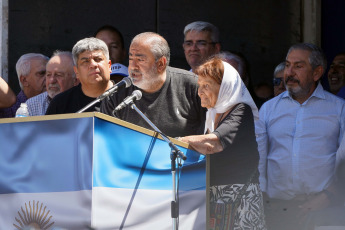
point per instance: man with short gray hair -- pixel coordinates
(169, 95)
(59, 77)
(238, 62)
(31, 70)
(201, 41)
(92, 68)
(278, 79)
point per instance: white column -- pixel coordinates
(311, 21)
(4, 39)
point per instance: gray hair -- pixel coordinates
(89, 44)
(200, 26)
(316, 57)
(23, 65)
(158, 45)
(67, 54)
(279, 68)
(227, 56)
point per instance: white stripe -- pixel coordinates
(70, 210)
(150, 209)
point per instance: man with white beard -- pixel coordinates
(59, 77)
(169, 95)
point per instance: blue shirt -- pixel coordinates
(298, 143)
(341, 92)
(38, 105)
(11, 111)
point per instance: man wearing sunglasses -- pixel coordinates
(278, 79)
(201, 40)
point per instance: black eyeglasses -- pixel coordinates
(200, 44)
(277, 81)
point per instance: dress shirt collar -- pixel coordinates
(318, 93)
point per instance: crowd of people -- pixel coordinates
(276, 161)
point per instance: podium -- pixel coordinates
(93, 171)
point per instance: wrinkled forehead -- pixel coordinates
(340, 58)
(140, 48)
(198, 35)
(298, 56)
(60, 63)
(205, 79)
(91, 54)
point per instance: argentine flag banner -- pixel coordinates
(92, 171)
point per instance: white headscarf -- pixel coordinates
(232, 91)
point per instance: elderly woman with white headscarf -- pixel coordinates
(230, 145)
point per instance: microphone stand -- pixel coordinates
(98, 99)
(175, 153)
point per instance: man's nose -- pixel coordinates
(133, 64)
(333, 69)
(288, 71)
(194, 46)
(93, 63)
(50, 78)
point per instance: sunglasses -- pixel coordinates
(277, 81)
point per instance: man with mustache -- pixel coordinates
(92, 68)
(169, 95)
(336, 75)
(299, 133)
(59, 77)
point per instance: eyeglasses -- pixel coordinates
(199, 44)
(277, 81)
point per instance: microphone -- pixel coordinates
(136, 95)
(124, 83)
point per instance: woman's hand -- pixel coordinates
(205, 144)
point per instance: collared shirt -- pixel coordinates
(11, 111)
(38, 105)
(298, 143)
(341, 92)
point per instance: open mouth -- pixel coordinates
(333, 80)
(135, 74)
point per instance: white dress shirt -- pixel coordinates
(298, 143)
(38, 105)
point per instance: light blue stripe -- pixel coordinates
(119, 158)
(46, 156)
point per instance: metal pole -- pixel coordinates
(175, 152)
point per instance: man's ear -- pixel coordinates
(24, 81)
(217, 47)
(76, 71)
(76, 81)
(161, 64)
(317, 73)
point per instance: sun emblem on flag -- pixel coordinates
(33, 216)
